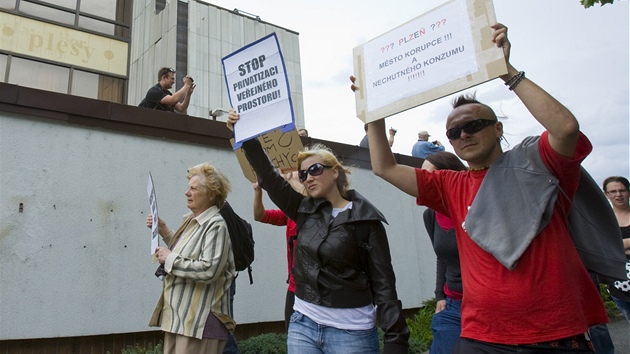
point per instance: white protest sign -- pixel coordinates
(440, 52)
(154, 213)
(258, 88)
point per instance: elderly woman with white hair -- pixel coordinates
(193, 310)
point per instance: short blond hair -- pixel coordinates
(217, 184)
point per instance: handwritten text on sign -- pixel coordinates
(432, 50)
(282, 149)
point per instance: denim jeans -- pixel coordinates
(231, 347)
(446, 326)
(600, 337)
(623, 306)
(308, 337)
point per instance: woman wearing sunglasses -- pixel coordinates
(343, 274)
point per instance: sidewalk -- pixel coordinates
(620, 333)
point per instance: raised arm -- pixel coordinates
(383, 163)
(392, 133)
(562, 126)
(259, 208)
(182, 107)
(181, 94)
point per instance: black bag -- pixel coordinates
(242, 239)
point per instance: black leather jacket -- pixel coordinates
(343, 263)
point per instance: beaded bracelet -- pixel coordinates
(513, 78)
(514, 81)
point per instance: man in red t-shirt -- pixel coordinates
(548, 301)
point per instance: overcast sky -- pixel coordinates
(580, 56)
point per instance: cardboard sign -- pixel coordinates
(258, 89)
(282, 149)
(438, 53)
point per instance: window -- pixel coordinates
(99, 8)
(96, 25)
(7, 4)
(46, 12)
(3, 67)
(94, 15)
(70, 4)
(112, 18)
(84, 84)
(43, 76)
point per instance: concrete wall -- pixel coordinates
(213, 33)
(74, 248)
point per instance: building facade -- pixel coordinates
(75, 156)
(112, 49)
(192, 36)
(76, 47)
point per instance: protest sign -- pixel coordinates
(281, 147)
(258, 89)
(443, 51)
(154, 212)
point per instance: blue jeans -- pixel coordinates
(308, 337)
(600, 337)
(231, 347)
(446, 326)
(623, 306)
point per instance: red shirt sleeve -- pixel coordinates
(275, 217)
(566, 169)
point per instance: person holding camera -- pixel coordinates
(424, 147)
(159, 97)
(198, 269)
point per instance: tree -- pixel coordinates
(589, 3)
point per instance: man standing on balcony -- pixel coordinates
(159, 97)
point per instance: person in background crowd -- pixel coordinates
(365, 144)
(446, 323)
(278, 218)
(616, 189)
(423, 147)
(159, 97)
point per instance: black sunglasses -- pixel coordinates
(471, 127)
(315, 170)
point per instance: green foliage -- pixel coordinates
(589, 3)
(137, 349)
(420, 326)
(611, 308)
(269, 343)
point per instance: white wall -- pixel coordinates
(76, 260)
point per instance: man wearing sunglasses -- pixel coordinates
(534, 294)
(159, 97)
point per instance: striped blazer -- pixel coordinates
(200, 272)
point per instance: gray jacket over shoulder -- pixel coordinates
(532, 192)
